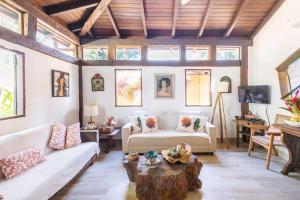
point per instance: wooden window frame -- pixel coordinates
(228, 46)
(207, 46)
(23, 82)
(20, 14)
(164, 46)
(210, 93)
(127, 47)
(141, 72)
(95, 47)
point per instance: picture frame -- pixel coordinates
(97, 82)
(164, 84)
(60, 84)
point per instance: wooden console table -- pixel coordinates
(291, 138)
(245, 128)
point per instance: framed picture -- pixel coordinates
(164, 85)
(97, 83)
(60, 84)
(128, 87)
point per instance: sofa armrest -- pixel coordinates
(126, 130)
(211, 131)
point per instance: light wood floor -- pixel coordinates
(227, 175)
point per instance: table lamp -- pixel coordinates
(91, 111)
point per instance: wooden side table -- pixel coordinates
(89, 135)
(108, 139)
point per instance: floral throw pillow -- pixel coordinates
(16, 164)
(58, 137)
(199, 124)
(149, 124)
(136, 123)
(185, 123)
(73, 135)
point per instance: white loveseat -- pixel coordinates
(44, 180)
(166, 138)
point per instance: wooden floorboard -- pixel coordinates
(228, 175)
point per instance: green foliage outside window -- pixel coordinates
(228, 53)
(6, 103)
(128, 54)
(95, 54)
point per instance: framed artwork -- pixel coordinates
(60, 83)
(164, 85)
(97, 83)
(128, 83)
(225, 84)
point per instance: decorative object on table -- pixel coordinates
(164, 85)
(166, 181)
(106, 129)
(90, 111)
(293, 106)
(152, 159)
(133, 156)
(289, 75)
(111, 121)
(97, 83)
(60, 84)
(225, 85)
(180, 153)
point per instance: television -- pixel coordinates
(254, 94)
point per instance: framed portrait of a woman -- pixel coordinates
(164, 85)
(60, 83)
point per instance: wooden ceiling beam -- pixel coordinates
(101, 7)
(204, 21)
(142, 7)
(236, 17)
(267, 18)
(175, 15)
(113, 21)
(68, 6)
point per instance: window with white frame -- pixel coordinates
(10, 18)
(12, 98)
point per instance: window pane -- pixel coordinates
(11, 84)
(163, 53)
(128, 87)
(197, 88)
(228, 53)
(128, 53)
(95, 53)
(197, 53)
(9, 19)
(55, 41)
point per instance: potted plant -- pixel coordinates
(293, 106)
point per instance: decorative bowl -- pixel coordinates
(151, 159)
(151, 154)
(291, 123)
(133, 156)
(180, 153)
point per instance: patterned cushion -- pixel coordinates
(58, 137)
(149, 124)
(199, 123)
(16, 164)
(136, 122)
(185, 123)
(73, 135)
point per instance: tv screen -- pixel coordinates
(254, 94)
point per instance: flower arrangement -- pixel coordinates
(150, 123)
(293, 105)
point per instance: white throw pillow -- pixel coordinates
(149, 124)
(199, 123)
(185, 123)
(136, 122)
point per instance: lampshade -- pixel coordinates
(90, 110)
(223, 87)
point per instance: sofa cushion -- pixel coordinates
(149, 124)
(73, 135)
(136, 123)
(44, 180)
(58, 137)
(18, 163)
(168, 139)
(185, 123)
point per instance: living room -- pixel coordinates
(140, 99)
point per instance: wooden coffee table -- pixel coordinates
(167, 181)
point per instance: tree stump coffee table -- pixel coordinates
(166, 181)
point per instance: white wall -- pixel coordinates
(158, 107)
(41, 107)
(273, 44)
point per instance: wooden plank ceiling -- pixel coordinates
(197, 18)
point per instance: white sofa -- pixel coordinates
(166, 138)
(44, 180)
